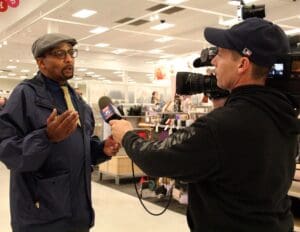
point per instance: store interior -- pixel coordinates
(128, 49)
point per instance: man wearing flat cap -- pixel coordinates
(239, 159)
(46, 141)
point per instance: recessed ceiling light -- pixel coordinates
(3, 76)
(164, 39)
(90, 73)
(162, 26)
(119, 51)
(175, 1)
(25, 71)
(228, 22)
(12, 74)
(84, 13)
(156, 51)
(118, 72)
(292, 31)
(11, 67)
(240, 2)
(81, 69)
(99, 30)
(154, 17)
(102, 45)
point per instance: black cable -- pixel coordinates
(140, 197)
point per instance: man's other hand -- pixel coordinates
(111, 147)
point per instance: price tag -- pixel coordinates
(13, 3)
(3, 5)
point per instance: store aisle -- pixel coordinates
(115, 211)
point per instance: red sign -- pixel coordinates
(3, 5)
(13, 3)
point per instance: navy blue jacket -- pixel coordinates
(50, 187)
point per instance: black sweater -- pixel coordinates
(239, 161)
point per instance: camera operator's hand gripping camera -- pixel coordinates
(188, 83)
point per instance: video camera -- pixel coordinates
(188, 83)
(284, 75)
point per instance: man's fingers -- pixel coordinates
(68, 121)
(52, 116)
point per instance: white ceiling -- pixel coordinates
(32, 18)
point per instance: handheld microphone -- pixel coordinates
(107, 110)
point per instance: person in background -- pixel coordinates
(239, 159)
(3, 101)
(47, 142)
(155, 98)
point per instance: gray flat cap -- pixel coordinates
(48, 42)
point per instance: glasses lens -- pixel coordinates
(73, 53)
(61, 54)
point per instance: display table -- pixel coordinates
(295, 188)
(119, 166)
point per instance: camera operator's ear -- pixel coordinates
(243, 64)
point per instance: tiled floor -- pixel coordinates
(115, 211)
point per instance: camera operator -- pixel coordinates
(239, 159)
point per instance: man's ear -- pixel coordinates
(40, 62)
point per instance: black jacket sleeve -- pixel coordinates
(188, 154)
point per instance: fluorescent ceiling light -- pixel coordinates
(12, 74)
(162, 26)
(175, 1)
(84, 13)
(101, 45)
(3, 77)
(99, 30)
(164, 39)
(25, 71)
(292, 31)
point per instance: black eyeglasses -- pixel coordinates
(61, 54)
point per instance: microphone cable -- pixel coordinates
(141, 200)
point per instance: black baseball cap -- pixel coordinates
(48, 42)
(260, 40)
